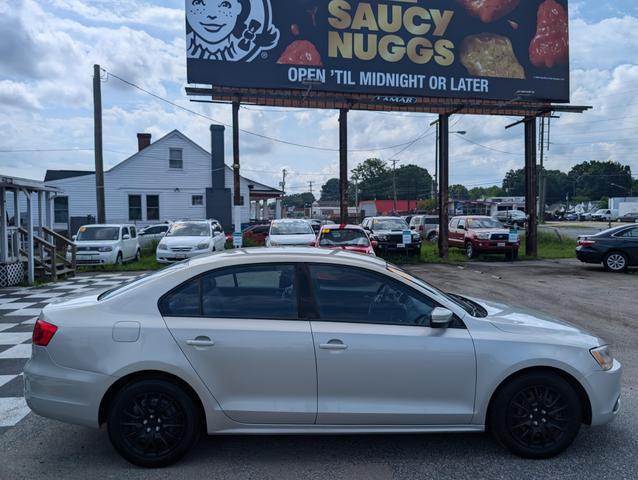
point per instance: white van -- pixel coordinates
(605, 215)
(106, 244)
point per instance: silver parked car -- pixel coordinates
(427, 226)
(304, 341)
(151, 234)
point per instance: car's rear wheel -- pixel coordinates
(119, 260)
(138, 255)
(153, 423)
(537, 415)
(469, 250)
(615, 262)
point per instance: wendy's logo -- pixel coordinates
(231, 30)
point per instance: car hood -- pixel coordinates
(519, 320)
(304, 239)
(96, 243)
(350, 249)
(184, 241)
(388, 232)
(489, 230)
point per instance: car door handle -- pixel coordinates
(200, 342)
(333, 345)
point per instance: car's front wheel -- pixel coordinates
(615, 262)
(153, 423)
(470, 251)
(536, 415)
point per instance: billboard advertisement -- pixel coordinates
(485, 49)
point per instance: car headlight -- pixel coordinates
(162, 246)
(603, 357)
(105, 249)
(382, 238)
(483, 236)
(203, 246)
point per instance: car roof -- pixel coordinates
(334, 226)
(93, 225)
(287, 254)
(289, 220)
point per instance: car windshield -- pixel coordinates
(389, 224)
(88, 234)
(291, 228)
(466, 304)
(483, 223)
(189, 230)
(343, 238)
(431, 221)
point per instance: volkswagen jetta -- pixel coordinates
(303, 341)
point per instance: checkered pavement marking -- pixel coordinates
(19, 310)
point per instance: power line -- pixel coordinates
(259, 135)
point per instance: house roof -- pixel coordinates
(52, 175)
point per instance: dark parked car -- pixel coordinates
(388, 233)
(616, 248)
(631, 217)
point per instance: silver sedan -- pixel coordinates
(304, 341)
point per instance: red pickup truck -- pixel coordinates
(478, 234)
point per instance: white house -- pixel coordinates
(169, 179)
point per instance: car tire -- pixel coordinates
(119, 260)
(138, 255)
(536, 415)
(615, 262)
(470, 251)
(511, 256)
(137, 420)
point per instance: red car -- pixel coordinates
(477, 234)
(345, 237)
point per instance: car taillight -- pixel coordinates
(43, 333)
(421, 228)
(585, 243)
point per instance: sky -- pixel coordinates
(48, 48)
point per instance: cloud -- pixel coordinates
(18, 95)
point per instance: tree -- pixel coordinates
(514, 183)
(477, 193)
(330, 190)
(459, 192)
(370, 169)
(428, 206)
(298, 200)
(595, 179)
(376, 181)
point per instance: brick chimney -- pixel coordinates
(143, 141)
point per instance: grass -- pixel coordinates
(550, 246)
(146, 262)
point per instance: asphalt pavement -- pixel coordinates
(601, 302)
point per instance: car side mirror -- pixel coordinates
(461, 227)
(74, 238)
(440, 317)
(374, 243)
(412, 227)
(126, 237)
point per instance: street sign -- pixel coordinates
(237, 240)
(513, 235)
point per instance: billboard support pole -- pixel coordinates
(343, 164)
(443, 181)
(531, 244)
(236, 177)
(97, 133)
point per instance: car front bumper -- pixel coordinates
(604, 394)
(64, 394)
(493, 246)
(94, 258)
(168, 256)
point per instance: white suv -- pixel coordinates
(106, 244)
(188, 238)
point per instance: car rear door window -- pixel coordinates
(355, 295)
(253, 291)
(184, 301)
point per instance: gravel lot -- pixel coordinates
(585, 295)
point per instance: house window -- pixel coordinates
(197, 200)
(61, 209)
(152, 207)
(175, 158)
(134, 207)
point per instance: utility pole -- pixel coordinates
(283, 191)
(99, 159)
(310, 183)
(541, 174)
(435, 187)
(394, 184)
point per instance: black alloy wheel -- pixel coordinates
(152, 423)
(537, 415)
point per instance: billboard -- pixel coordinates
(485, 49)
